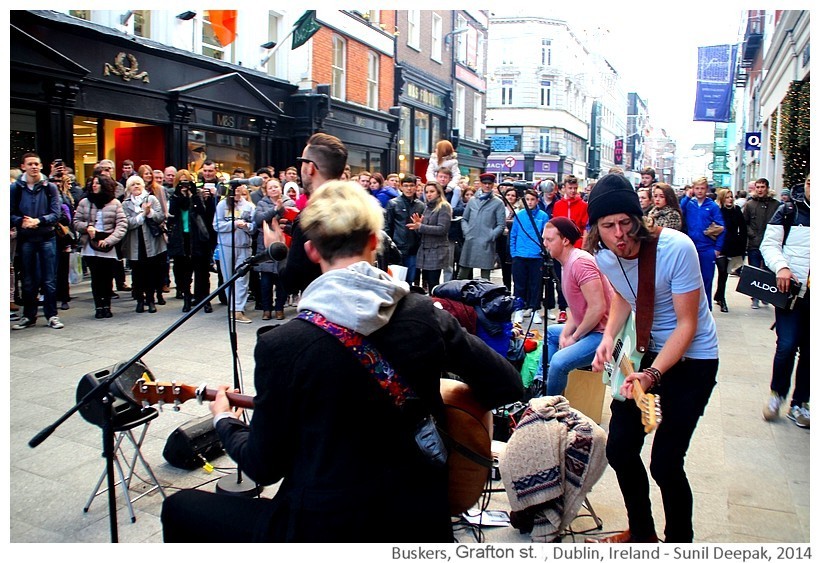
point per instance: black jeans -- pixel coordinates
(684, 390)
(722, 263)
(102, 276)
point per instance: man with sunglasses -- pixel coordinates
(323, 159)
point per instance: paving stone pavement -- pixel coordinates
(750, 477)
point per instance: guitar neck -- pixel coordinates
(235, 399)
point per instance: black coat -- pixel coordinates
(350, 469)
(734, 243)
(201, 231)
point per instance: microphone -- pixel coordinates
(276, 251)
(255, 181)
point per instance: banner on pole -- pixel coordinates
(715, 86)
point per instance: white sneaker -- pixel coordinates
(527, 313)
(54, 322)
(772, 410)
(550, 315)
(536, 318)
(800, 415)
(518, 317)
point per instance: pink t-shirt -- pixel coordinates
(581, 269)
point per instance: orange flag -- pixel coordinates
(224, 25)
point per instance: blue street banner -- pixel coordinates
(716, 76)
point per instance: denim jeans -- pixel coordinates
(39, 271)
(267, 280)
(527, 274)
(409, 262)
(561, 362)
(792, 329)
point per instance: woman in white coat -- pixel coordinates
(444, 157)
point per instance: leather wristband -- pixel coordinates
(654, 374)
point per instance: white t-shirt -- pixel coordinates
(677, 271)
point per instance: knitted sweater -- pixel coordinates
(551, 462)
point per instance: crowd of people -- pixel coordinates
(577, 251)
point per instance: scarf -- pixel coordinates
(99, 200)
(139, 199)
(552, 460)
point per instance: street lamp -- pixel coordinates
(448, 38)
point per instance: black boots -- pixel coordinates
(140, 306)
(186, 302)
(103, 313)
(151, 307)
(160, 299)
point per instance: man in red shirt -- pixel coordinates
(575, 208)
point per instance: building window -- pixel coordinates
(506, 92)
(210, 44)
(478, 123)
(479, 64)
(82, 14)
(413, 28)
(461, 23)
(436, 33)
(459, 109)
(546, 52)
(273, 36)
(142, 23)
(338, 65)
(422, 133)
(544, 141)
(372, 80)
(546, 93)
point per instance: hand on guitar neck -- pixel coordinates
(650, 404)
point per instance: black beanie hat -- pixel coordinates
(612, 194)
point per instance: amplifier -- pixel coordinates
(190, 445)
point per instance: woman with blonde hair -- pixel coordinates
(144, 243)
(155, 188)
(444, 157)
(433, 226)
(734, 244)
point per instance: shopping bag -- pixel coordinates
(75, 268)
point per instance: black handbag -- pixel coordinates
(156, 229)
(94, 241)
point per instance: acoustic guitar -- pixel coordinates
(467, 430)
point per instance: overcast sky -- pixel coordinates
(654, 49)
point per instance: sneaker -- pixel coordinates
(54, 322)
(25, 322)
(800, 415)
(65, 306)
(527, 313)
(536, 318)
(755, 304)
(550, 315)
(562, 317)
(241, 318)
(518, 317)
(772, 410)
(14, 316)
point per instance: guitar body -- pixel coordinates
(469, 424)
(624, 353)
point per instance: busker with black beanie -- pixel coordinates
(680, 364)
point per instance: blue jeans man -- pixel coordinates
(39, 259)
(561, 362)
(792, 329)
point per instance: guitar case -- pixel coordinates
(192, 444)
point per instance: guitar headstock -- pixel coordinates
(159, 393)
(650, 405)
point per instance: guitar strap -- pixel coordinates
(645, 300)
(387, 378)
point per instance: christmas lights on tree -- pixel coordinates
(795, 132)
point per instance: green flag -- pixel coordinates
(304, 28)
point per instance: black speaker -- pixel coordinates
(192, 443)
(124, 402)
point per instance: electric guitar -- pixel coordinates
(625, 357)
(467, 430)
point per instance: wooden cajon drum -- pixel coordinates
(585, 392)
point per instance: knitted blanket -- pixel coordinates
(552, 460)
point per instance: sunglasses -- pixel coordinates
(302, 159)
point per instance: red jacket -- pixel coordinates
(576, 210)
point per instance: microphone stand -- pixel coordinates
(103, 394)
(229, 484)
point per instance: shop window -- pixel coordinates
(227, 151)
(422, 133)
(85, 131)
(23, 135)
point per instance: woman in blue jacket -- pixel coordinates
(526, 249)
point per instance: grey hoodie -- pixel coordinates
(359, 297)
